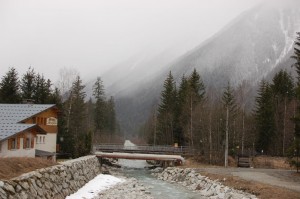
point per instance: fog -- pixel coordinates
(95, 35)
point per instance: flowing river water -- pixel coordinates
(158, 188)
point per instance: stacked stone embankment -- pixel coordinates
(194, 181)
(56, 182)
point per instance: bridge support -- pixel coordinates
(167, 163)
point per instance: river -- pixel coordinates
(158, 188)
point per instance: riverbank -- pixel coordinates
(194, 181)
(264, 183)
(266, 180)
(220, 178)
(112, 186)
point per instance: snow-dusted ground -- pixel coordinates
(104, 182)
(95, 186)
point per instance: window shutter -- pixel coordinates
(18, 142)
(9, 144)
(32, 142)
(24, 141)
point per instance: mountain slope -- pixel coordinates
(253, 46)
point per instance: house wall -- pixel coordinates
(21, 152)
(49, 144)
(42, 120)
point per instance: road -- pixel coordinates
(275, 177)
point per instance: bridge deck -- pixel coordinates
(169, 150)
(136, 156)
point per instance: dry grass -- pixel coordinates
(262, 191)
(270, 162)
(13, 167)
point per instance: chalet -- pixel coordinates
(28, 130)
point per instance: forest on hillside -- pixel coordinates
(188, 114)
(80, 122)
(192, 115)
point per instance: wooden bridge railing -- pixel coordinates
(146, 149)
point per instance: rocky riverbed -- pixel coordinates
(196, 182)
(130, 189)
(188, 178)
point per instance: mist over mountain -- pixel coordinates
(253, 46)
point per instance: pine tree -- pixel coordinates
(28, 84)
(100, 106)
(9, 87)
(182, 116)
(111, 116)
(197, 87)
(166, 112)
(296, 145)
(196, 95)
(231, 108)
(264, 118)
(55, 97)
(76, 117)
(42, 90)
(283, 92)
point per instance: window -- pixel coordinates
(44, 139)
(27, 143)
(13, 143)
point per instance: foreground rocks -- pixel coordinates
(196, 182)
(130, 189)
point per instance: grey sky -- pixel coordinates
(94, 35)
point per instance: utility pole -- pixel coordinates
(226, 139)
(154, 141)
(192, 142)
(210, 140)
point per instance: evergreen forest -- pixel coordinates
(190, 114)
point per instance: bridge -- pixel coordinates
(168, 155)
(145, 149)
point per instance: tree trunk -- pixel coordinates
(192, 141)
(226, 139)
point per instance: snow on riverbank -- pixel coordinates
(95, 186)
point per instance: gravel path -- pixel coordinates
(275, 177)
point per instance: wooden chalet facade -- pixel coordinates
(28, 130)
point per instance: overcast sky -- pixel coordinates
(94, 35)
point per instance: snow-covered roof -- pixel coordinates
(11, 116)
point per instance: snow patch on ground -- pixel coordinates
(95, 186)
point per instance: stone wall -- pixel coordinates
(55, 182)
(206, 187)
